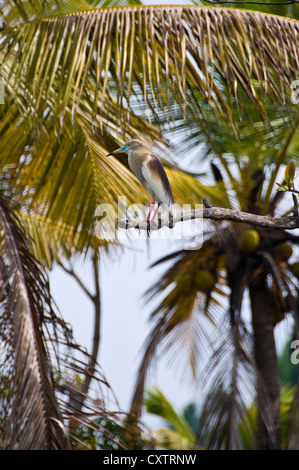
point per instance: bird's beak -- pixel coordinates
(117, 151)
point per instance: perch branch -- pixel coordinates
(217, 214)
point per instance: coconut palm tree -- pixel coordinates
(78, 84)
(257, 267)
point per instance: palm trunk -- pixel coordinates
(268, 389)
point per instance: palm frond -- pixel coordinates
(31, 417)
(52, 241)
(41, 363)
(16, 11)
(180, 436)
(172, 440)
(229, 387)
(72, 101)
(150, 352)
(183, 320)
(76, 162)
(185, 54)
(274, 7)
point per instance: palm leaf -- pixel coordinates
(229, 384)
(33, 419)
(107, 67)
(66, 177)
(169, 53)
(180, 436)
(183, 320)
(14, 11)
(41, 363)
(52, 241)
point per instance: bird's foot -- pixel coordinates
(206, 204)
(170, 221)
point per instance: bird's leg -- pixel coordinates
(152, 204)
(149, 216)
(157, 208)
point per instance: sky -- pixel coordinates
(124, 321)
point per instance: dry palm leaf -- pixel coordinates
(41, 365)
(31, 417)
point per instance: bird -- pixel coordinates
(149, 171)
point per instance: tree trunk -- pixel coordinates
(268, 386)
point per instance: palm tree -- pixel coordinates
(256, 266)
(78, 84)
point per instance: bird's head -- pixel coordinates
(134, 144)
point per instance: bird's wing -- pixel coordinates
(156, 178)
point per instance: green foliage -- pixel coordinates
(250, 419)
(178, 434)
(289, 174)
(104, 434)
(191, 415)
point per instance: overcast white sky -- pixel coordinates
(124, 321)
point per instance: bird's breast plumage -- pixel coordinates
(136, 161)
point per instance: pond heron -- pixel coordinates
(150, 172)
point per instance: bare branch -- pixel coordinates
(77, 398)
(76, 277)
(296, 210)
(96, 330)
(217, 214)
